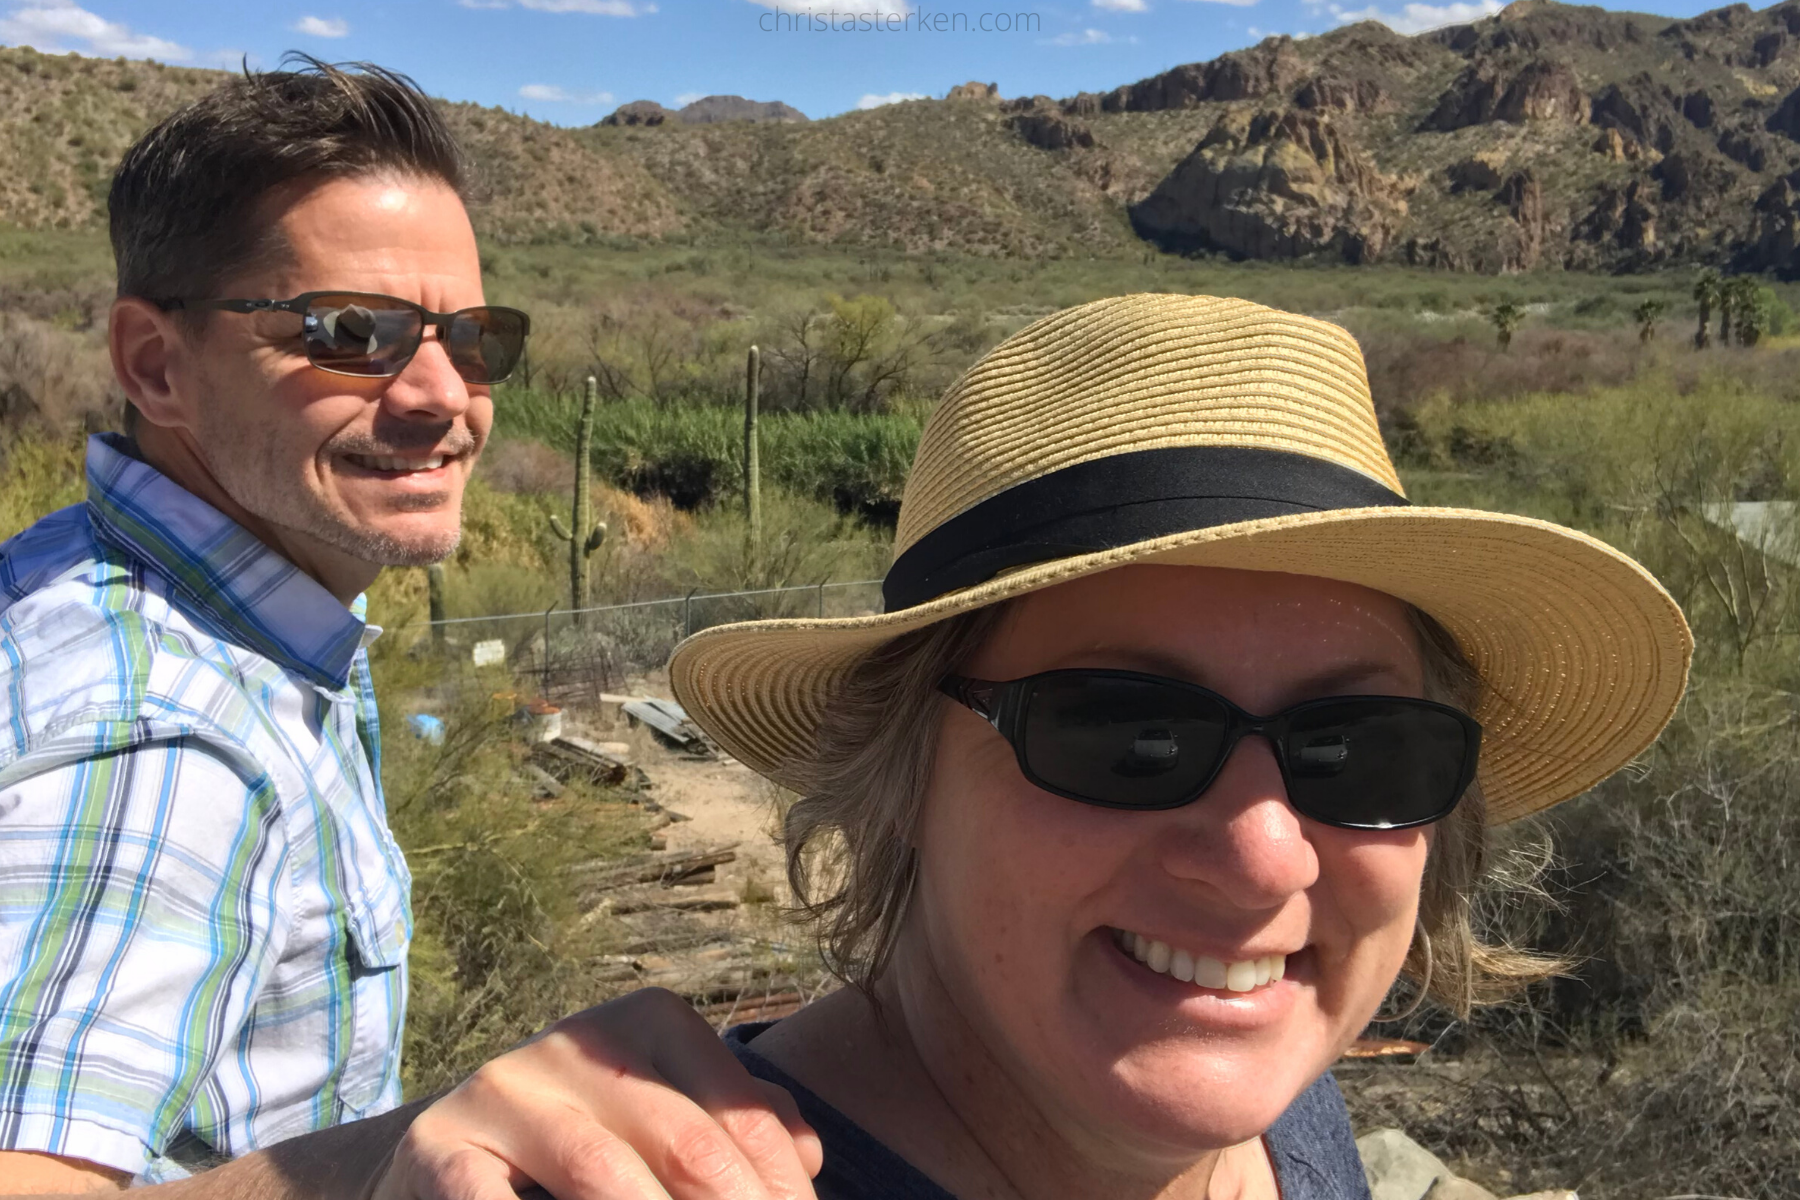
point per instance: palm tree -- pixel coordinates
(1706, 294)
(1648, 314)
(1505, 318)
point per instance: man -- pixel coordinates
(203, 917)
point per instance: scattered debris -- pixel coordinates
(568, 757)
(542, 720)
(426, 728)
(669, 722)
(490, 653)
(666, 870)
(544, 785)
(1394, 1050)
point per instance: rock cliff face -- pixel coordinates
(1548, 134)
(1274, 186)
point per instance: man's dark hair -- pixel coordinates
(186, 203)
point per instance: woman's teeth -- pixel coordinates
(1199, 968)
(381, 462)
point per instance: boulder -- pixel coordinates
(1397, 1167)
(973, 90)
(1050, 130)
(1343, 94)
(1275, 185)
(1268, 69)
(1540, 90)
(1639, 106)
(1478, 172)
(638, 112)
(1455, 1187)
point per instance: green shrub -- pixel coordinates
(499, 948)
(693, 454)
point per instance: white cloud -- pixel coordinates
(1417, 18)
(1122, 5)
(1087, 37)
(874, 8)
(873, 101)
(57, 26)
(549, 93)
(598, 8)
(325, 27)
(687, 98)
(1234, 3)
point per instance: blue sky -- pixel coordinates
(573, 61)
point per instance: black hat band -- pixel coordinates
(1119, 500)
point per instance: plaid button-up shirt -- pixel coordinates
(203, 917)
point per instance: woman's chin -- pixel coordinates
(1181, 1066)
(1192, 1098)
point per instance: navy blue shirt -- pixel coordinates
(1311, 1146)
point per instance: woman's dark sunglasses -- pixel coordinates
(1120, 739)
(373, 336)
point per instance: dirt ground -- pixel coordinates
(722, 939)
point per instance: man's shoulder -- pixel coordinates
(94, 653)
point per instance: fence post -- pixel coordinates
(687, 613)
(752, 463)
(434, 590)
(544, 671)
(821, 598)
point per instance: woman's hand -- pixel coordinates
(633, 1100)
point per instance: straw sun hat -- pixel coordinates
(1213, 432)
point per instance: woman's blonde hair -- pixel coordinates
(849, 837)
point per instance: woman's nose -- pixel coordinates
(1241, 837)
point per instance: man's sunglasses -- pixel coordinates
(1120, 739)
(373, 336)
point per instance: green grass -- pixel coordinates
(694, 453)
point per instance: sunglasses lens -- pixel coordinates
(1370, 764)
(485, 343)
(355, 334)
(1128, 743)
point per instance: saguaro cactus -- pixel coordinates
(583, 535)
(1706, 293)
(752, 461)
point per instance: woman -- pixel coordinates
(1177, 743)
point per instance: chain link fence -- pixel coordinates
(576, 656)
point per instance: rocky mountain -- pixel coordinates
(1548, 135)
(708, 110)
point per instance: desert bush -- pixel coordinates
(54, 376)
(499, 949)
(693, 454)
(39, 473)
(1659, 471)
(803, 543)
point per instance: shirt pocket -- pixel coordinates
(380, 935)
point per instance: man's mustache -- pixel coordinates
(456, 440)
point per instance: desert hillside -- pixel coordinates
(1547, 135)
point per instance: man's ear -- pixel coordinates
(146, 343)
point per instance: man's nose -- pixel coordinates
(1242, 838)
(429, 389)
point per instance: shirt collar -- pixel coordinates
(255, 597)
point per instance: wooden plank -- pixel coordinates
(666, 869)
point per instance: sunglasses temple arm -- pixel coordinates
(977, 695)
